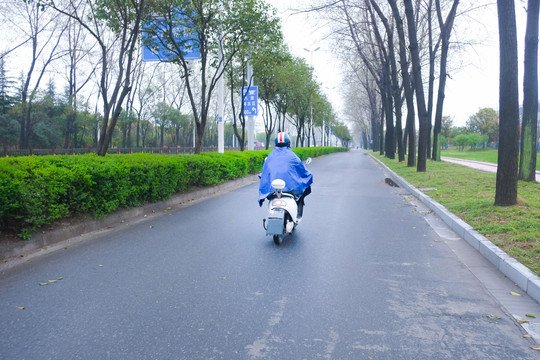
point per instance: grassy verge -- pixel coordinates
(487, 155)
(470, 194)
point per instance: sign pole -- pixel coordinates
(250, 119)
(221, 85)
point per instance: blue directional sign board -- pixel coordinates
(250, 96)
(182, 35)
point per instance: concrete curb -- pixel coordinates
(75, 227)
(514, 270)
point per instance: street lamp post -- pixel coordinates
(325, 136)
(310, 103)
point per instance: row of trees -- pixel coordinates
(397, 53)
(112, 97)
(389, 48)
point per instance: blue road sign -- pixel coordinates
(153, 49)
(250, 97)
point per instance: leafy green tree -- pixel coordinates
(229, 134)
(460, 141)
(322, 112)
(341, 131)
(125, 122)
(6, 87)
(181, 124)
(485, 122)
(285, 83)
(263, 53)
(49, 121)
(301, 95)
(475, 140)
(163, 115)
(266, 67)
(9, 130)
(85, 126)
(455, 131)
(443, 142)
(118, 23)
(214, 27)
(446, 126)
(147, 128)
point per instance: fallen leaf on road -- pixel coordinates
(527, 336)
(100, 265)
(43, 284)
(514, 293)
(521, 321)
(531, 316)
(535, 347)
(20, 307)
(491, 316)
(60, 278)
(52, 281)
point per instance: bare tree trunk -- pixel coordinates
(507, 169)
(431, 77)
(418, 83)
(529, 125)
(446, 30)
(407, 86)
(396, 91)
(374, 114)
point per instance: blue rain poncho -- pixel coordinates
(282, 163)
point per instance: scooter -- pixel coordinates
(282, 216)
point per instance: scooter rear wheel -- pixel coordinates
(278, 239)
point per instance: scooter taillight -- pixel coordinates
(279, 202)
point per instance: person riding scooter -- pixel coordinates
(283, 163)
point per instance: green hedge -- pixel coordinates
(35, 191)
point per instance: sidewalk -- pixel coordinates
(480, 165)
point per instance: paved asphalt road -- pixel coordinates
(363, 277)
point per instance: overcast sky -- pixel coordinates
(470, 88)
